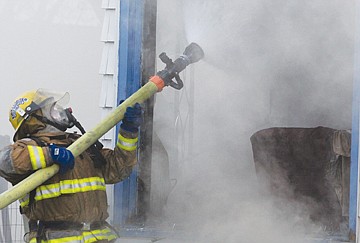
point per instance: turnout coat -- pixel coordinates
(79, 195)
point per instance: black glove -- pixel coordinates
(63, 157)
(132, 118)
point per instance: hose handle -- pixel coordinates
(193, 53)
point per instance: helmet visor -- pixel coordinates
(52, 105)
(45, 98)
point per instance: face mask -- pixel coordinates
(63, 118)
(59, 115)
(55, 115)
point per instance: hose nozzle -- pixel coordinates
(193, 52)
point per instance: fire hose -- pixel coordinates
(193, 53)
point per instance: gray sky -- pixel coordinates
(53, 45)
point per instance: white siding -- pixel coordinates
(108, 71)
(108, 66)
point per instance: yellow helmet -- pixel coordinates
(31, 101)
(17, 113)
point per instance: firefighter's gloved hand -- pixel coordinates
(63, 157)
(132, 118)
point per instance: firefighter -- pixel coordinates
(72, 205)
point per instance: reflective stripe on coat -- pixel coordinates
(79, 195)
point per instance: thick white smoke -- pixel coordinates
(268, 63)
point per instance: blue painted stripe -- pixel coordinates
(354, 162)
(355, 132)
(118, 204)
(129, 81)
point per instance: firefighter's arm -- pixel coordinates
(22, 158)
(122, 159)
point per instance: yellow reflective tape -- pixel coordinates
(85, 237)
(70, 187)
(128, 144)
(42, 157)
(47, 191)
(37, 157)
(126, 147)
(24, 201)
(127, 140)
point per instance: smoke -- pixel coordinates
(299, 52)
(267, 63)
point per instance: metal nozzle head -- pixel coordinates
(193, 52)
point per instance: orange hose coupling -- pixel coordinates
(158, 82)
